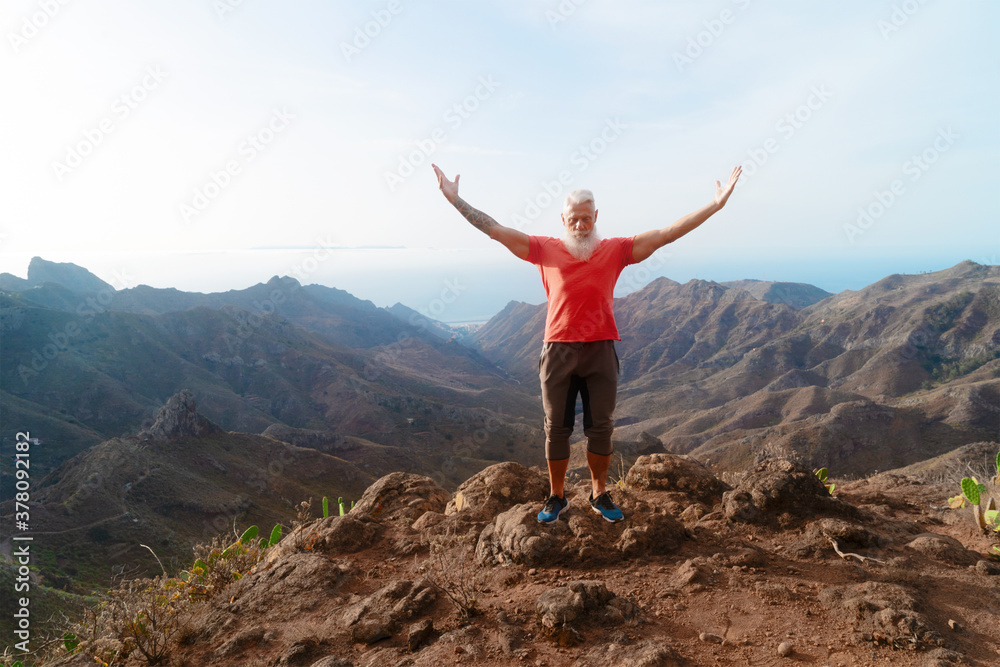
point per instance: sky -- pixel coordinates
(208, 145)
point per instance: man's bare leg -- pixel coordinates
(557, 477)
(598, 471)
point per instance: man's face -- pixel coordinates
(579, 219)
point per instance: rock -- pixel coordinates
(419, 633)
(646, 653)
(785, 649)
(651, 532)
(690, 572)
(848, 535)
(943, 548)
(988, 568)
(179, 418)
(559, 606)
(942, 657)
(515, 536)
(299, 654)
(371, 630)
(778, 491)
(287, 579)
(580, 536)
(333, 535)
(676, 473)
(331, 661)
(498, 488)
(709, 638)
(401, 495)
(427, 521)
(883, 613)
(379, 615)
(240, 641)
(953, 624)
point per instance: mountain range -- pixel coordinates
(162, 415)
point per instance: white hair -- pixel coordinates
(579, 197)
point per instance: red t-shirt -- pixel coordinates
(580, 294)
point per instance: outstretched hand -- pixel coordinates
(721, 193)
(448, 188)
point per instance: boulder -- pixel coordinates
(943, 548)
(498, 488)
(779, 491)
(401, 496)
(578, 600)
(333, 535)
(580, 535)
(677, 473)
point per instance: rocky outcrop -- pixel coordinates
(778, 491)
(401, 495)
(678, 474)
(580, 535)
(497, 489)
(579, 600)
(179, 418)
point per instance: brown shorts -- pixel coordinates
(587, 369)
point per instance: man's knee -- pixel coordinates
(599, 438)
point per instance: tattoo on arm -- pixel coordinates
(479, 220)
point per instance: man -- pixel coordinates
(578, 354)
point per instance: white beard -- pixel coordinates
(582, 246)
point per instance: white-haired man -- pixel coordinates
(578, 356)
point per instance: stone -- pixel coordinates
(777, 491)
(710, 638)
(988, 568)
(498, 488)
(401, 495)
(943, 548)
(560, 606)
(645, 653)
(332, 661)
(419, 633)
(785, 649)
(179, 418)
(676, 473)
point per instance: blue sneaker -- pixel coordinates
(604, 506)
(553, 506)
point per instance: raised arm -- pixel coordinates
(514, 240)
(647, 243)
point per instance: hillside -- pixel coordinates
(901, 371)
(768, 570)
(305, 357)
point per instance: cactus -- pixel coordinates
(326, 507)
(340, 502)
(821, 474)
(972, 489)
(248, 534)
(275, 535)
